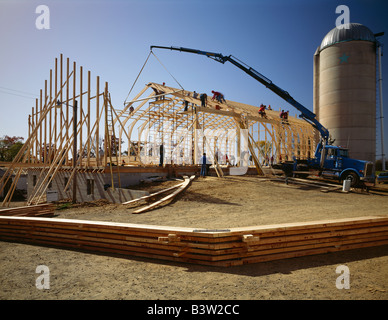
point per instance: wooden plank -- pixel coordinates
(285, 227)
(288, 255)
(261, 231)
(153, 194)
(99, 225)
(299, 247)
(35, 210)
(198, 246)
(165, 251)
(167, 198)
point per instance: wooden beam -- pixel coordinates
(153, 194)
(162, 201)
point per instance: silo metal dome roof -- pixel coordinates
(356, 31)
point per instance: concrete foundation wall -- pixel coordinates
(20, 185)
(90, 187)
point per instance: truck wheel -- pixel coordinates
(353, 177)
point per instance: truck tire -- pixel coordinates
(352, 176)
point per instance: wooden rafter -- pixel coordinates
(284, 138)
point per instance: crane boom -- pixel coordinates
(306, 114)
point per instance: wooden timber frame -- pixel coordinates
(131, 138)
(50, 146)
(173, 118)
(217, 247)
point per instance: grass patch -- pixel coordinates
(64, 206)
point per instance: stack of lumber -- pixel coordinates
(224, 247)
(39, 210)
(309, 238)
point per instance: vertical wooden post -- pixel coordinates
(45, 124)
(238, 136)
(265, 143)
(61, 99)
(75, 112)
(108, 142)
(29, 134)
(36, 137)
(40, 128)
(50, 116)
(73, 104)
(88, 122)
(33, 129)
(107, 139)
(67, 118)
(56, 94)
(80, 111)
(97, 116)
(196, 127)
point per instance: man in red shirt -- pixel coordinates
(262, 111)
(218, 96)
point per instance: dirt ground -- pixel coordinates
(208, 203)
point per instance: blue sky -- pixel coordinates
(278, 38)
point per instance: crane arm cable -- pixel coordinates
(167, 70)
(142, 71)
(137, 77)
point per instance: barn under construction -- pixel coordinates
(80, 146)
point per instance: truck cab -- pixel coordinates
(337, 165)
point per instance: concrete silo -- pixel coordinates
(345, 89)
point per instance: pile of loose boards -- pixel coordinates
(223, 247)
(39, 210)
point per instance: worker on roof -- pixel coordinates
(195, 96)
(284, 117)
(218, 96)
(203, 98)
(262, 111)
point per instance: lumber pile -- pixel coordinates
(137, 200)
(39, 210)
(223, 247)
(181, 187)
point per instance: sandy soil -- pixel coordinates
(208, 203)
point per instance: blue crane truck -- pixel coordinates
(333, 162)
(329, 161)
